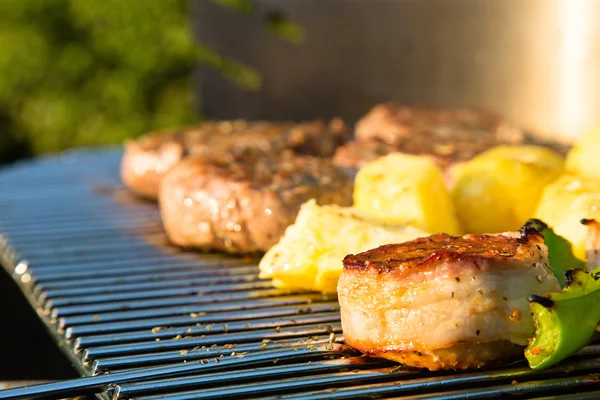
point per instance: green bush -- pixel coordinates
(88, 72)
(92, 72)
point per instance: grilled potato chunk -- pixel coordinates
(499, 190)
(406, 189)
(309, 255)
(583, 158)
(565, 203)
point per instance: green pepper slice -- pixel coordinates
(560, 250)
(564, 321)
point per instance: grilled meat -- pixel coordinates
(147, 159)
(242, 202)
(445, 302)
(399, 124)
(448, 136)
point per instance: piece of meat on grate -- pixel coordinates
(242, 202)
(445, 302)
(147, 159)
(448, 136)
(398, 124)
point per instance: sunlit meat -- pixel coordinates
(242, 202)
(448, 136)
(148, 158)
(445, 302)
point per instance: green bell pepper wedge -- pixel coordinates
(564, 321)
(560, 250)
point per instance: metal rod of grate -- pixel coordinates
(141, 319)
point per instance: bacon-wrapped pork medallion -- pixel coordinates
(445, 302)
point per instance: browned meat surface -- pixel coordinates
(355, 154)
(445, 302)
(148, 158)
(243, 202)
(402, 124)
(449, 136)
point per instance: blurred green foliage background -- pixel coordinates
(90, 72)
(81, 72)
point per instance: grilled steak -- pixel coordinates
(147, 159)
(449, 136)
(445, 302)
(396, 124)
(242, 202)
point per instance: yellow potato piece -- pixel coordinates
(565, 203)
(406, 189)
(584, 158)
(309, 255)
(499, 189)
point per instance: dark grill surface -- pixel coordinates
(166, 323)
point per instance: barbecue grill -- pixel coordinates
(141, 319)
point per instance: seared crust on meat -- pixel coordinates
(445, 302)
(448, 136)
(400, 124)
(483, 251)
(242, 202)
(148, 158)
(458, 356)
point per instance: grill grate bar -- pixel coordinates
(181, 291)
(132, 267)
(459, 382)
(221, 298)
(83, 238)
(519, 389)
(317, 345)
(593, 395)
(61, 223)
(212, 338)
(87, 335)
(263, 318)
(196, 305)
(49, 194)
(82, 215)
(108, 258)
(280, 386)
(73, 292)
(191, 273)
(84, 385)
(84, 233)
(259, 374)
(90, 219)
(95, 247)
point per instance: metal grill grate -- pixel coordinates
(166, 323)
